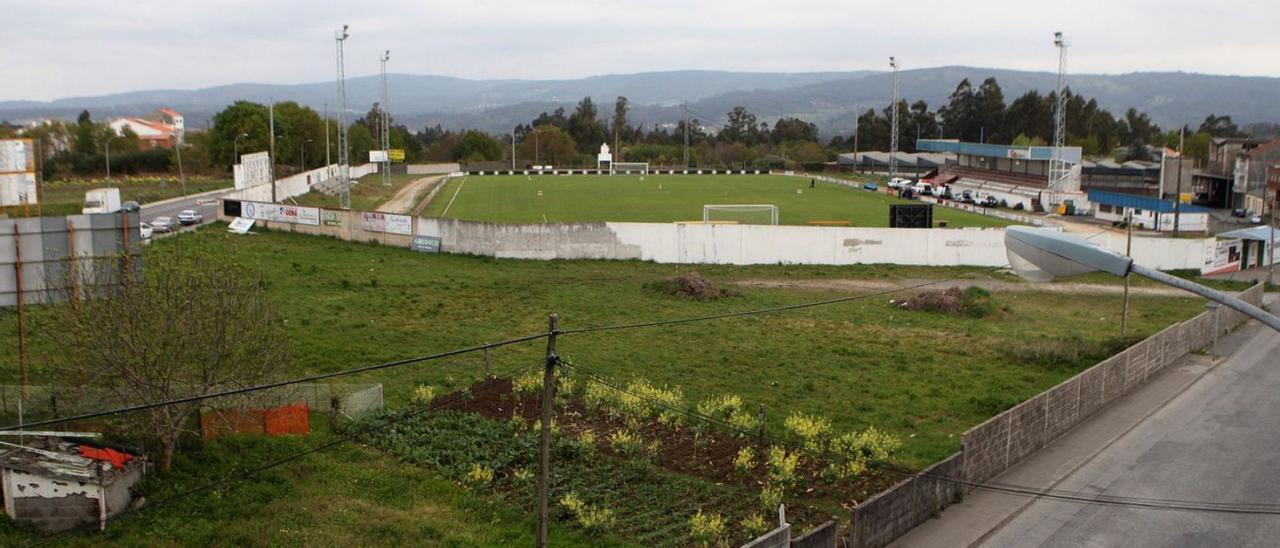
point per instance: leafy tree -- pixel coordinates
(553, 146)
(989, 112)
(741, 127)
(360, 142)
(960, 115)
(787, 130)
(192, 323)
(240, 117)
(87, 135)
(585, 127)
(477, 146)
(1219, 126)
(621, 127)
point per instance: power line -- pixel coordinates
(278, 384)
(458, 396)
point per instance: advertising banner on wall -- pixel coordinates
(281, 213)
(331, 218)
(386, 222)
(17, 189)
(1224, 256)
(17, 172)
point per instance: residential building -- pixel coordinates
(160, 129)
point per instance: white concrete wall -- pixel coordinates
(298, 184)
(1160, 252)
(720, 244)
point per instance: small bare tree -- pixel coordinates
(190, 322)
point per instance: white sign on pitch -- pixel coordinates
(253, 170)
(376, 156)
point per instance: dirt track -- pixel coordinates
(403, 201)
(988, 284)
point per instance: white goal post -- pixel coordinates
(629, 168)
(772, 209)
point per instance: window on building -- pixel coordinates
(1106, 208)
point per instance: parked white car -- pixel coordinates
(145, 230)
(190, 217)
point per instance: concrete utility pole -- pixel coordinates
(108, 147)
(385, 122)
(893, 126)
(513, 150)
(856, 120)
(1128, 252)
(344, 161)
(271, 129)
(685, 106)
(1177, 198)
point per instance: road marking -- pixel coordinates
(454, 197)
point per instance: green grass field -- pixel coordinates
(925, 377)
(668, 198)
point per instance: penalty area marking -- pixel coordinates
(454, 197)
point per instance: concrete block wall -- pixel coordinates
(992, 447)
(822, 536)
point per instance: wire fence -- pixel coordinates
(589, 477)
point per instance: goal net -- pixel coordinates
(759, 214)
(629, 168)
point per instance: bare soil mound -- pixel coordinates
(691, 286)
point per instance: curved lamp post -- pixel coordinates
(1040, 255)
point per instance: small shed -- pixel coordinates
(58, 484)
(1254, 243)
(1147, 212)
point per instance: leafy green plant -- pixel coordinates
(745, 462)
(782, 466)
(595, 519)
(478, 476)
(754, 525)
(811, 430)
(424, 394)
(707, 529)
(771, 496)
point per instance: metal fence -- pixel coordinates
(37, 253)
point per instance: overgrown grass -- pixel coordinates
(667, 198)
(345, 496)
(367, 193)
(910, 373)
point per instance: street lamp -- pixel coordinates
(235, 147)
(1040, 255)
(108, 149)
(302, 150)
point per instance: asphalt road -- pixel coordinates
(171, 209)
(1218, 441)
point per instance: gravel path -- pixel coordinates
(988, 284)
(403, 201)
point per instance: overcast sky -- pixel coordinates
(62, 48)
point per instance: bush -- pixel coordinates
(811, 430)
(782, 466)
(754, 525)
(707, 529)
(745, 462)
(424, 394)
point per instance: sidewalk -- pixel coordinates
(984, 512)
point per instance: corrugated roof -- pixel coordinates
(1253, 233)
(1140, 202)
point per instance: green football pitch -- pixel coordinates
(668, 198)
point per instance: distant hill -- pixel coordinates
(826, 98)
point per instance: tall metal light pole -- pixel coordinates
(344, 167)
(235, 148)
(385, 120)
(893, 126)
(513, 150)
(1057, 165)
(327, 161)
(1177, 198)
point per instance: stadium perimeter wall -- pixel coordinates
(299, 184)
(990, 448)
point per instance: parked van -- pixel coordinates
(101, 200)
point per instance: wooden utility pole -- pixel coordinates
(544, 457)
(22, 327)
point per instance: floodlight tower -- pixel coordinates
(1057, 166)
(344, 161)
(385, 122)
(893, 126)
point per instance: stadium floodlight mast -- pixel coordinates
(1057, 166)
(385, 122)
(893, 130)
(1040, 255)
(344, 160)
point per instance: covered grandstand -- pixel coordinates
(1017, 175)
